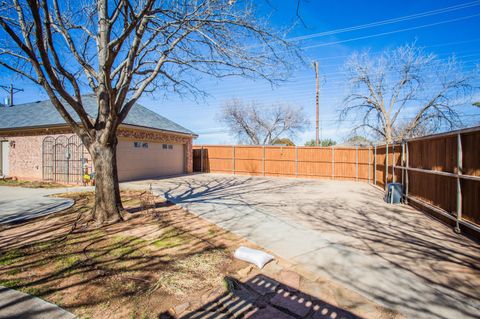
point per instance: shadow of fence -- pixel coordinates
(262, 297)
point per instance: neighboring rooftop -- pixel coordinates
(44, 114)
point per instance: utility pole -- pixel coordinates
(317, 102)
(11, 90)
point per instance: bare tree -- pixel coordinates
(405, 92)
(122, 49)
(255, 124)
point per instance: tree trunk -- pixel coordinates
(388, 134)
(108, 205)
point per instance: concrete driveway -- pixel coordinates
(18, 204)
(343, 231)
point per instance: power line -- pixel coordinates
(301, 89)
(386, 22)
(444, 44)
(295, 81)
(392, 32)
(303, 100)
(222, 129)
(373, 54)
(327, 76)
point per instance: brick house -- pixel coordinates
(37, 144)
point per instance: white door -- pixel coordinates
(4, 165)
(141, 160)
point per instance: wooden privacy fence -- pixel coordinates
(440, 173)
(342, 163)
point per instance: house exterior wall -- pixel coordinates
(26, 147)
(152, 160)
(26, 155)
(160, 137)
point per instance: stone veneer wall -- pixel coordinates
(26, 152)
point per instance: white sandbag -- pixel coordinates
(256, 257)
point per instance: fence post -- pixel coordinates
(386, 166)
(459, 182)
(406, 172)
(356, 163)
(201, 159)
(263, 161)
(402, 161)
(393, 163)
(296, 161)
(369, 165)
(375, 164)
(333, 162)
(233, 159)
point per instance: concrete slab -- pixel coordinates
(18, 204)
(16, 304)
(343, 231)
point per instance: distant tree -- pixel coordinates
(404, 92)
(323, 143)
(358, 140)
(255, 124)
(283, 141)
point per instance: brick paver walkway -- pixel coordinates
(262, 297)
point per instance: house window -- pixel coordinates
(167, 146)
(137, 144)
(145, 145)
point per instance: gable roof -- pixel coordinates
(44, 114)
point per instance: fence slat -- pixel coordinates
(201, 160)
(263, 161)
(333, 162)
(296, 161)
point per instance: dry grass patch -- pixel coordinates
(160, 257)
(31, 184)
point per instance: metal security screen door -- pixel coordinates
(63, 158)
(4, 158)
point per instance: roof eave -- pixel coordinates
(54, 126)
(159, 130)
(36, 127)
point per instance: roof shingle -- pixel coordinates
(43, 113)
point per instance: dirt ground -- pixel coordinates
(158, 258)
(162, 262)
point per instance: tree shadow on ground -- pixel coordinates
(415, 252)
(262, 297)
(150, 256)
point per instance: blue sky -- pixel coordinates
(454, 32)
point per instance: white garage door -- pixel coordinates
(137, 160)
